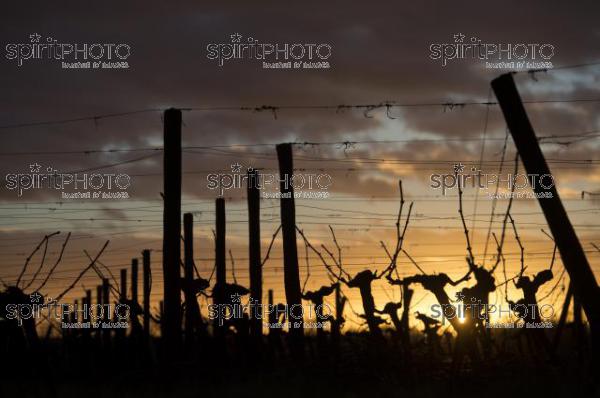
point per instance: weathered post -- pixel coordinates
(147, 289)
(122, 297)
(123, 291)
(135, 322)
(88, 301)
(87, 305)
(291, 273)
(219, 259)
(255, 262)
(171, 321)
(99, 310)
(573, 257)
(191, 304)
(106, 305)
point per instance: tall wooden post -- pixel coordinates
(86, 315)
(107, 307)
(220, 249)
(135, 322)
(573, 257)
(218, 294)
(123, 296)
(272, 313)
(147, 289)
(120, 333)
(255, 261)
(191, 304)
(99, 309)
(172, 233)
(291, 273)
(88, 303)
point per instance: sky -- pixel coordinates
(110, 120)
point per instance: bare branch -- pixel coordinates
(232, 267)
(508, 207)
(44, 240)
(318, 253)
(270, 246)
(42, 261)
(518, 239)
(413, 261)
(339, 249)
(58, 260)
(115, 283)
(72, 285)
(555, 247)
(501, 256)
(462, 218)
(307, 267)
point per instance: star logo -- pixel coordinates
(35, 38)
(236, 167)
(459, 38)
(236, 38)
(35, 297)
(35, 168)
(458, 168)
(236, 298)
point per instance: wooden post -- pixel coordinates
(88, 301)
(86, 314)
(255, 261)
(573, 257)
(123, 296)
(75, 311)
(191, 304)
(135, 323)
(147, 289)
(291, 273)
(172, 233)
(106, 305)
(272, 313)
(120, 333)
(99, 308)
(220, 265)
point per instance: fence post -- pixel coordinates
(191, 304)
(99, 308)
(254, 256)
(123, 298)
(172, 233)
(147, 289)
(107, 316)
(291, 273)
(219, 259)
(584, 284)
(135, 322)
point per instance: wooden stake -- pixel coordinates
(291, 273)
(255, 261)
(171, 321)
(573, 257)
